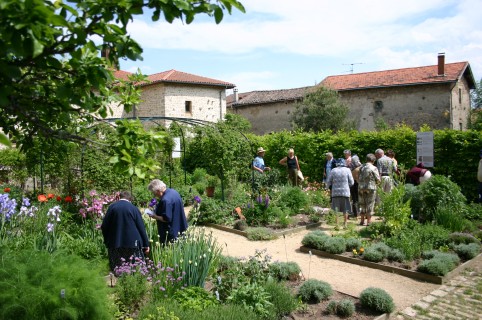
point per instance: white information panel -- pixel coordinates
(425, 149)
(176, 150)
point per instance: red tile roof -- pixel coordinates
(122, 75)
(174, 76)
(267, 96)
(400, 77)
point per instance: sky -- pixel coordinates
(281, 44)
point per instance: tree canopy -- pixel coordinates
(52, 76)
(321, 109)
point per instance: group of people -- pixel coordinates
(123, 227)
(352, 185)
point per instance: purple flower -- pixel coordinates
(197, 199)
(259, 199)
(266, 201)
(25, 202)
(153, 202)
(50, 227)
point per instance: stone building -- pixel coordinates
(437, 95)
(268, 110)
(178, 94)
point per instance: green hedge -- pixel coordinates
(456, 152)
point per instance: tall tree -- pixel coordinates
(477, 95)
(321, 109)
(51, 73)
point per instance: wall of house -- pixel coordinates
(267, 117)
(169, 100)
(413, 105)
(460, 105)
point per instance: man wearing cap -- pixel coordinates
(258, 162)
(479, 177)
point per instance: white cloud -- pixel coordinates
(386, 34)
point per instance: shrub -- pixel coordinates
(294, 199)
(253, 297)
(473, 212)
(131, 288)
(353, 244)
(195, 298)
(315, 239)
(373, 255)
(40, 278)
(467, 251)
(382, 248)
(283, 302)
(440, 190)
(258, 234)
(395, 255)
(285, 270)
(344, 308)
(377, 299)
(335, 245)
(438, 263)
(315, 291)
(168, 309)
(227, 262)
(466, 238)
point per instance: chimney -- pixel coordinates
(236, 96)
(441, 64)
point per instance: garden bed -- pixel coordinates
(394, 268)
(302, 224)
(319, 310)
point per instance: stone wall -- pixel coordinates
(267, 117)
(169, 100)
(412, 105)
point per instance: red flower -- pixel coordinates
(68, 199)
(42, 198)
(59, 198)
(7, 190)
(50, 196)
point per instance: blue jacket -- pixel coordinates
(171, 207)
(123, 226)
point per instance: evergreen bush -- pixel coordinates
(315, 239)
(335, 245)
(373, 255)
(395, 255)
(283, 302)
(438, 263)
(377, 300)
(284, 270)
(345, 308)
(460, 237)
(353, 244)
(467, 251)
(314, 291)
(261, 233)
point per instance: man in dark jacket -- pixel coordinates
(169, 213)
(124, 232)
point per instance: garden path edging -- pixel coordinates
(403, 272)
(277, 233)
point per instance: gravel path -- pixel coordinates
(344, 277)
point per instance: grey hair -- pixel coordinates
(356, 161)
(347, 152)
(125, 195)
(156, 185)
(329, 154)
(371, 157)
(379, 151)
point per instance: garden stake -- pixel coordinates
(309, 266)
(227, 251)
(286, 250)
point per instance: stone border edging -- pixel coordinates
(403, 272)
(277, 233)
